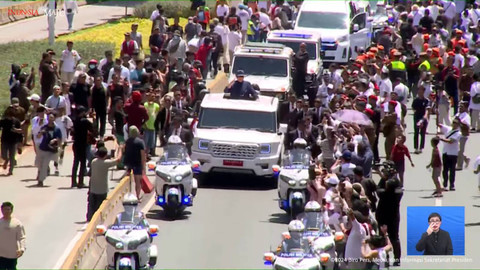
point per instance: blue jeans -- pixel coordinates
(149, 138)
(70, 20)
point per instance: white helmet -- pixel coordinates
(174, 139)
(313, 206)
(300, 143)
(296, 226)
(130, 199)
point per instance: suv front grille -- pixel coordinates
(224, 150)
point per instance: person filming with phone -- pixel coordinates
(435, 241)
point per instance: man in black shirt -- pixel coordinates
(241, 89)
(435, 241)
(420, 106)
(11, 132)
(81, 127)
(81, 92)
(426, 21)
(300, 62)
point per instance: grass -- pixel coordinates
(31, 53)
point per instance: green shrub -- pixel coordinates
(172, 8)
(31, 53)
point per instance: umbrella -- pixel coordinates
(352, 116)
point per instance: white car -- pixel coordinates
(267, 65)
(343, 29)
(293, 39)
(239, 136)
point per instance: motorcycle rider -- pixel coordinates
(295, 240)
(313, 216)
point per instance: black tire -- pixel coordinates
(296, 209)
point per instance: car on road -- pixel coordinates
(267, 65)
(293, 39)
(344, 29)
(238, 136)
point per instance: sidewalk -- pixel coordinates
(87, 16)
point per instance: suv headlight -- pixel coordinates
(137, 242)
(342, 39)
(265, 148)
(203, 144)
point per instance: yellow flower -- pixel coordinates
(114, 32)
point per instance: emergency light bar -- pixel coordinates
(258, 50)
(293, 35)
(256, 47)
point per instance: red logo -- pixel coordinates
(24, 12)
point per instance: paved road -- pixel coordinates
(88, 16)
(52, 215)
(236, 219)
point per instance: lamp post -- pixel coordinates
(51, 21)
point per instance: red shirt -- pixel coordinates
(136, 115)
(399, 152)
(202, 54)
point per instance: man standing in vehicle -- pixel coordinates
(300, 62)
(240, 89)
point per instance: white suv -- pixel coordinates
(267, 65)
(239, 136)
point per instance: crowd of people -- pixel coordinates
(427, 55)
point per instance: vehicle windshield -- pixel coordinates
(297, 157)
(295, 46)
(323, 20)
(313, 221)
(174, 154)
(261, 66)
(128, 218)
(235, 119)
(380, 11)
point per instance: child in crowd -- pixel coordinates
(399, 151)
(65, 124)
(436, 165)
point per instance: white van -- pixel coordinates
(344, 29)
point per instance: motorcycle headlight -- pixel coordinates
(342, 39)
(117, 243)
(292, 182)
(164, 176)
(178, 178)
(303, 182)
(137, 242)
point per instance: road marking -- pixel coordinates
(438, 202)
(69, 248)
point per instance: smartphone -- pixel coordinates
(112, 153)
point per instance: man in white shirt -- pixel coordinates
(244, 18)
(476, 170)
(464, 119)
(70, 7)
(459, 60)
(434, 11)
(385, 86)
(450, 152)
(475, 103)
(222, 9)
(475, 14)
(234, 39)
(401, 90)
(265, 24)
(418, 41)
(56, 102)
(335, 77)
(68, 63)
(222, 30)
(416, 15)
(450, 12)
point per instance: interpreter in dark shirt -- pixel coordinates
(420, 106)
(241, 89)
(435, 241)
(81, 92)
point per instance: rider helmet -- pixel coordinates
(296, 226)
(313, 206)
(174, 139)
(300, 143)
(130, 199)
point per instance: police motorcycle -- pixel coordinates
(130, 239)
(293, 177)
(295, 252)
(318, 233)
(175, 185)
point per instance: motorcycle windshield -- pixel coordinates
(314, 222)
(128, 219)
(297, 158)
(297, 253)
(174, 155)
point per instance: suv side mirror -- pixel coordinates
(356, 27)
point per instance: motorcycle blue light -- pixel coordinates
(153, 234)
(161, 200)
(285, 204)
(186, 200)
(267, 263)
